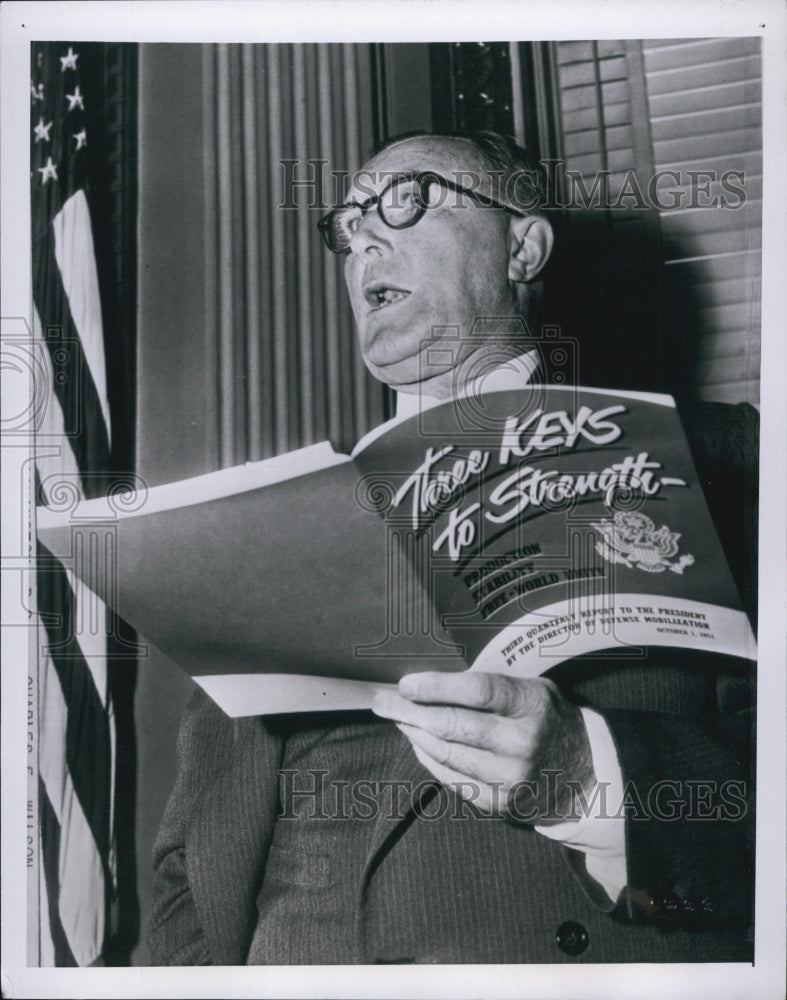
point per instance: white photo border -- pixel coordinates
(403, 21)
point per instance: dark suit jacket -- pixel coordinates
(470, 890)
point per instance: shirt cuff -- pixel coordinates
(600, 834)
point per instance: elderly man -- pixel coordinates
(258, 861)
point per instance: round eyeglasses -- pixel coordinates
(401, 204)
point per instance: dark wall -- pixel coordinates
(170, 436)
(171, 358)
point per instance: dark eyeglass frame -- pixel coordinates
(422, 181)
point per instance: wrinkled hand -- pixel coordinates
(508, 744)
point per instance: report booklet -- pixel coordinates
(506, 532)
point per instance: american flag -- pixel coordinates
(78, 875)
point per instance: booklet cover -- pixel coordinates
(505, 532)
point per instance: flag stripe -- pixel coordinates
(94, 646)
(87, 732)
(72, 384)
(76, 260)
(55, 457)
(46, 954)
(53, 468)
(79, 869)
(90, 625)
(50, 833)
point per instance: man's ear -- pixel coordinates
(530, 244)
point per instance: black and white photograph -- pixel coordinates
(393, 471)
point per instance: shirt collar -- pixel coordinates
(510, 375)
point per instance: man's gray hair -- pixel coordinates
(521, 181)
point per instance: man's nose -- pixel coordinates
(372, 237)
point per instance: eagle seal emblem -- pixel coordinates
(631, 538)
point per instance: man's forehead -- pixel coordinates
(457, 159)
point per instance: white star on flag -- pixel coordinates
(69, 60)
(81, 138)
(75, 100)
(37, 92)
(48, 170)
(42, 131)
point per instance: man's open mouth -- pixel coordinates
(380, 296)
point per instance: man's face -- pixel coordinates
(445, 271)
